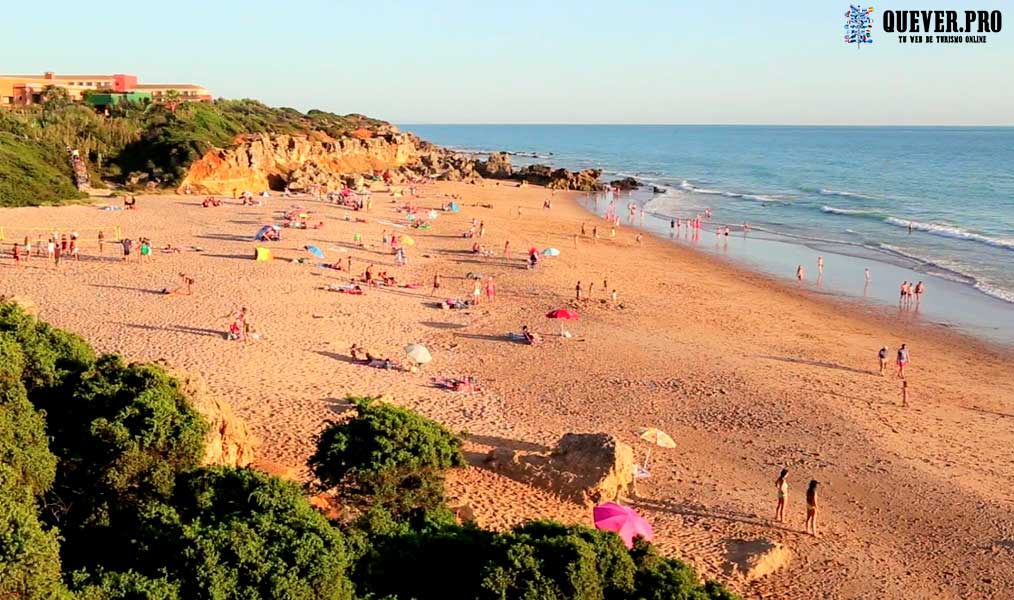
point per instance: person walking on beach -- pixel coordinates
(882, 355)
(811, 508)
(595, 232)
(902, 360)
(128, 245)
(904, 393)
(102, 242)
(782, 488)
(800, 273)
(577, 291)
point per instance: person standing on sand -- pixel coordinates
(919, 289)
(902, 360)
(50, 249)
(102, 242)
(613, 296)
(811, 508)
(583, 231)
(882, 355)
(476, 291)
(591, 290)
(349, 269)
(904, 393)
(507, 250)
(436, 284)
(128, 245)
(16, 252)
(782, 488)
(595, 232)
(577, 291)
(800, 273)
(490, 290)
(28, 248)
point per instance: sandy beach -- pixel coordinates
(746, 373)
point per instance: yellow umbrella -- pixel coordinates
(407, 241)
(657, 437)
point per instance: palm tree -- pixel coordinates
(172, 99)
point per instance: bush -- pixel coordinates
(237, 533)
(29, 553)
(122, 435)
(129, 585)
(24, 446)
(51, 356)
(389, 458)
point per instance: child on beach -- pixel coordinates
(782, 487)
(577, 291)
(904, 392)
(811, 508)
(902, 360)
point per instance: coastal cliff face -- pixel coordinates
(266, 162)
(300, 162)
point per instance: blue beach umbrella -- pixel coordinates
(550, 252)
(314, 251)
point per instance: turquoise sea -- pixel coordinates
(919, 203)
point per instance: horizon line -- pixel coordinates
(546, 123)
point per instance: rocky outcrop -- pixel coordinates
(497, 166)
(262, 162)
(228, 442)
(561, 179)
(272, 162)
(626, 184)
(583, 467)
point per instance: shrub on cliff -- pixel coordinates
(237, 533)
(387, 457)
(29, 553)
(123, 434)
(24, 447)
(51, 356)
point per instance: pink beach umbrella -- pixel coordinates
(622, 520)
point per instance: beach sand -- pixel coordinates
(748, 374)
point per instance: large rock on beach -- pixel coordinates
(587, 468)
(497, 166)
(626, 184)
(228, 443)
(753, 559)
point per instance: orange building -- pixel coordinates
(22, 90)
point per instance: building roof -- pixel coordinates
(175, 86)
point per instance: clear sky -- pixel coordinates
(551, 61)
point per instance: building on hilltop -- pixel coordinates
(23, 90)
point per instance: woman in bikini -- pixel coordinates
(782, 487)
(811, 508)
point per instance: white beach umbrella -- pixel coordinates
(418, 353)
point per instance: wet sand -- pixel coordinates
(746, 373)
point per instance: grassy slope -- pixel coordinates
(32, 174)
(136, 139)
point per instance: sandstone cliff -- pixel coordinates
(300, 162)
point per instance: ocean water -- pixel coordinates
(935, 203)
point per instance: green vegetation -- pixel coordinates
(135, 143)
(102, 497)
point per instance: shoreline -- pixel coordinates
(954, 299)
(744, 371)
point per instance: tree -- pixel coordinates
(387, 458)
(122, 434)
(29, 553)
(238, 533)
(172, 99)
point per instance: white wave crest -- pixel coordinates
(952, 232)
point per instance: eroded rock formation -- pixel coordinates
(583, 467)
(228, 442)
(301, 162)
